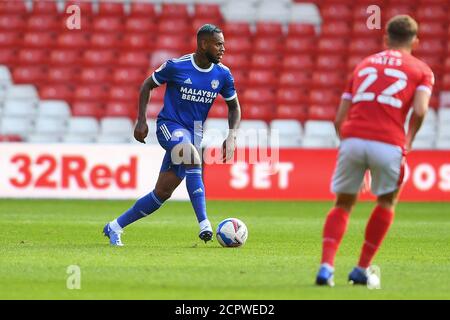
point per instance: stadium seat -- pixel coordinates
(265, 61)
(61, 75)
(293, 96)
(116, 126)
(153, 109)
(43, 23)
(238, 44)
(337, 28)
(134, 59)
(95, 75)
(33, 57)
(236, 60)
(85, 6)
(209, 11)
(432, 29)
(360, 30)
(432, 13)
(263, 111)
(236, 10)
(15, 23)
(87, 109)
(273, 11)
(262, 78)
(139, 41)
(320, 112)
(300, 62)
(121, 109)
(19, 108)
(8, 56)
(64, 57)
(107, 24)
(174, 11)
(332, 45)
(108, 8)
(443, 144)
(256, 96)
(22, 92)
(252, 133)
(10, 138)
(93, 92)
(45, 7)
(287, 111)
(56, 92)
(78, 139)
(353, 60)
(364, 46)
(327, 62)
(29, 74)
(10, 39)
(324, 96)
(73, 40)
(289, 132)
(171, 42)
(444, 116)
(140, 25)
(38, 40)
(142, 9)
(294, 79)
(83, 126)
(53, 109)
(99, 57)
(172, 26)
(299, 45)
(215, 132)
(15, 126)
(431, 46)
(114, 139)
(43, 138)
(127, 93)
(128, 76)
(269, 29)
(50, 126)
(305, 13)
(319, 134)
(104, 40)
(236, 29)
(327, 79)
(336, 11)
(13, 7)
(394, 10)
(5, 76)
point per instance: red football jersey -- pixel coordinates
(382, 89)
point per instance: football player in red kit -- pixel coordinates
(370, 123)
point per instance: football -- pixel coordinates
(232, 232)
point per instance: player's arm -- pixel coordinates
(420, 108)
(342, 114)
(141, 129)
(234, 118)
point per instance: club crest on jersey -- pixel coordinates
(215, 84)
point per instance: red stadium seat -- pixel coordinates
(432, 30)
(13, 7)
(153, 110)
(219, 109)
(336, 11)
(298, 62)
(105, 40)
(139, 41)
(327, 79)
(262, 78)
(364, 46)
(174, 10)
(44, 7)
(126, 93)
(267, 44)
(331, 62)
(294, 96)
(360, 13)
(326, 113)
(301, 30)
(360, 29)
(294, 79)
(99, 57)
(12, 22)
(129, 75)
(121, 109)
(265, 61)
(94, 92)
(134, 59)
(236, 29)
(158, 95)
(56, 92)
(43, 23)
(10, 39)
(447, 64)
(269, 29)
(446, 82)
(171, 42)
(107, 24)
(236, 60)
(332, 45)
(87, 109)
(324, 96)
(75, 40)
(10, 138)
(209, 11)
(434, 62)
(63, 74)
(259, 96)
(85, 24)
(29, 74)
(353, 60)
(430, 46)
(394, 10)
(8, 56)
(33, 56)
(64, 57)
(85, 6)
(240, 78)
(336, 28)
(140, 24)
(287, 111)
(172, 25)
(95, 75)
(39, 40)
(298, 45)
(108, 8)
(197, 23)
(238, 44)
(143, 9)
(253, 111)
(430, 12)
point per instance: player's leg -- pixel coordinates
(387, 166)
(190, 158)
(346, 182)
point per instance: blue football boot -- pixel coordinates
(114, 237)
(358, 276)
(325, 276)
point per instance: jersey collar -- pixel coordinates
(198, 68)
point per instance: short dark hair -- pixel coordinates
(207, 29)
(401, 29)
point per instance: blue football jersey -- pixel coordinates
(191, 90)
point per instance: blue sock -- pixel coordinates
(142, 208)
(196, 190)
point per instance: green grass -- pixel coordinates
(164, 259)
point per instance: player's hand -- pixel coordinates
(228, 147)
(141, 131)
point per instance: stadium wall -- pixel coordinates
(130, 171)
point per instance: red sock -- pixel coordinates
(377, 227)
(333, 231)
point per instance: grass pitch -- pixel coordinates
(164, 259)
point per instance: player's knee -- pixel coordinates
(163, 194)
(345, 202)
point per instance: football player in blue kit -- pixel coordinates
(193, 82)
